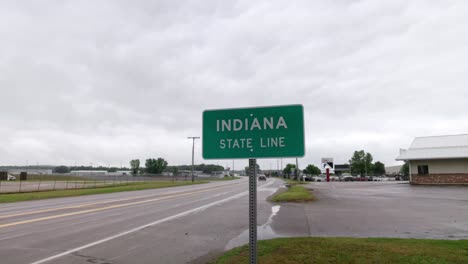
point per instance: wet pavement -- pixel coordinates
(194, 224)
(373, 209)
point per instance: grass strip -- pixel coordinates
(294, 193)
(352, 250)
(132, 186)
(294, 182)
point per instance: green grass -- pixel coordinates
(295, 193)
(352, 251)
(132, 186)
(293, 182)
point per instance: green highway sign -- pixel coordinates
(257, 132)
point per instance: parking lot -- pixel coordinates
(379, 209)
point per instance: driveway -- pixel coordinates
(378, 209)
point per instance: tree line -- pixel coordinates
(205, 168)
(152, 166)
(361, 164)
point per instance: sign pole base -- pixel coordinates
(253, 211)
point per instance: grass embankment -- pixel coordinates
(352, 250)
(294, 193)
(132, 186)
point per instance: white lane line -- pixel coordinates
(145, 226)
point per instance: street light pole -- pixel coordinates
(193, 153)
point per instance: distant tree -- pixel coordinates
(405, 169)
(312, 170)
(357, 162)
(207, 168)
(155, 166)
(61, 169)
(361, 163)
(369, 166)
(379, 168)
(112, 169)
(247, 169)
(289, 169)
(135, 166)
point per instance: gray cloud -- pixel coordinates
(108, 81)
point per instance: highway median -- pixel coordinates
(294, 192)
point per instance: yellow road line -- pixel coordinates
(95, 203)
(103, 208)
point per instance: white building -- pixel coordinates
(438, 160)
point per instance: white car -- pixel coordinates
(11, 178)
(333, 178)
(318, 179)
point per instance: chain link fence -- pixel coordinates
(37, 183)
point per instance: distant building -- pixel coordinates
(438, 160)
(393, 170)
(188, 173)
(18, 170)
(342, 168)
(89, 172)
(219, 174)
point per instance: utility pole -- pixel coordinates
(297, 170)
(277, 167)
(365, 165)
(193, 153)
(281, 167)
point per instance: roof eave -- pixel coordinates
(430, 158)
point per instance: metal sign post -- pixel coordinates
(253, 133)
(253, 211)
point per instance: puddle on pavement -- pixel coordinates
(263, 232)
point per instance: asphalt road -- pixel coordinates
(172, 225)
(192, 224)
(378, 209)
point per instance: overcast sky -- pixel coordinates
(104, 82)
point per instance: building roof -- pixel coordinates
(436, 147)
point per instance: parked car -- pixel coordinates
(11, 178)
(360, 178)
(318, 179)
(308, 178)
(333, 178)
(347, 178)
